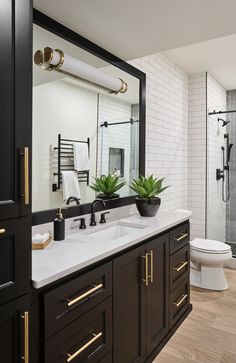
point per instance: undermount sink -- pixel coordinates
(109, 232)
(116, 230)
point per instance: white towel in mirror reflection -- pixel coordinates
(70, 185)
(81, 156)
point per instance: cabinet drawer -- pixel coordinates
(179, 237)
(179, 266)
(86, 339)
(107, 358)
(179, 301)
(69, 301)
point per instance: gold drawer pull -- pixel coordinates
(146, 269)
(26, 337)
(181, 237)
(178, 303)
(151, 266)
(183, 264)
(26, 175)
(2, 230)
(86, 294)
(85, 346)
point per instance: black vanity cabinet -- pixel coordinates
(124, 309)
(14, 258)
(157, 292)
(15, 148)
(14, 331)
(15, 107)
(129, 306)
(141, 296)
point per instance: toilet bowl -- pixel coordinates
(207, 260)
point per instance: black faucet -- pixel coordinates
(72, 199)
(92, 219)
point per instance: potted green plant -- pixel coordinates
(107, 185)
(147, 189)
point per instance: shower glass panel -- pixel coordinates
(221, 171)
(216, 207)
(231, 204)
(118, 140)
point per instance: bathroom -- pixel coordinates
(117, 202)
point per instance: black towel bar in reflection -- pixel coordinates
(65, 152)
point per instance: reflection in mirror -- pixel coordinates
(80, 131)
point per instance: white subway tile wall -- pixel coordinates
(176, 140)
(112, 110)
(197, 153)
(216, 208)
(167, 127)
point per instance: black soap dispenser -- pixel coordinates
(59, 226)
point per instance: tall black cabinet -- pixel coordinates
(15, 160)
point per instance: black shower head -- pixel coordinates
(223, 121)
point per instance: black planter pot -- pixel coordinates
(148, 207)
(107, 197)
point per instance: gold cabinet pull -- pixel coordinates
(146, 269)
(83, 296)
(151, 266)
(25, 317)
(26, 175)
(181, 237)
(178, 303)
(183, 264)
(2, 230)
(85, 346)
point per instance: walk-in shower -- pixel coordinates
(221, 160)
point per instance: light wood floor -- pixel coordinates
(208, 335)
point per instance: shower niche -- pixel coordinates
(116, 161)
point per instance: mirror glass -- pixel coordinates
(80, 128)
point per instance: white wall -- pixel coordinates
(197, 153)
(206, 137)
(176, 140)
(167, 127)
(60, 107)
(216, 208)
(113, 110)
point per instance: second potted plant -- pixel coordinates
(106, 186)
(147, 189)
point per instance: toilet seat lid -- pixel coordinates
(209, 246)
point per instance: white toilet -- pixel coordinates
(207, 260)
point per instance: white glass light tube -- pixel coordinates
(67, 64)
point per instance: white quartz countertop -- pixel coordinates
(79, 250)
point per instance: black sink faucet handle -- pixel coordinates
(82, 222)
(93, 218)
(103, 217)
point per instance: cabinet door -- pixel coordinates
(157, 292)
(129, 307)
(15, 107)
(14, 334)
(15, 257)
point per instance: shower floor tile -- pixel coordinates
(233, 247)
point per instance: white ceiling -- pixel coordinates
(215, 56)
(135, 28)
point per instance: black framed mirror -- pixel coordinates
(66, 112)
